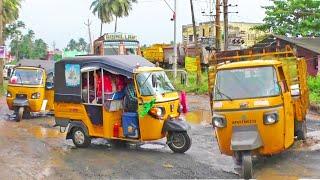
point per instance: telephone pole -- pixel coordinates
(218, 27)
(225, 20)
(88, 24)
(175, 51)
(196, 45)
(1, 42)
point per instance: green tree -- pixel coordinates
(25, 47)
(82, 45)
(10, 11)
(39, 49)
(13, 30)
(292, 17)
(72, 45)
(107, 10)
(102, 8)
(121, 8)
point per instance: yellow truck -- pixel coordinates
(155, 53)
(259, 101)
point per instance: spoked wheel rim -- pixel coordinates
(79, 137)
(178, 140)
(247, 171)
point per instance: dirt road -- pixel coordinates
(33, 149)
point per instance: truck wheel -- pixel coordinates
(79, 138)
(19, 114)
(179, 142)
(301, 130)
(246, 165)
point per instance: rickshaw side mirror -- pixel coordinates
(49, 85)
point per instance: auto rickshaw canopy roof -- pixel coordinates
(67, 79)
(47, 65)
(118, 64)
(252, 63)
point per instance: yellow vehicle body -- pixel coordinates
(155, 53)
(34, 105)
(245, 117)
(75, 115)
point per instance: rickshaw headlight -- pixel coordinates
(219, 121)
(157, 112)
(35, 95)
(9, 95)
(270, 118)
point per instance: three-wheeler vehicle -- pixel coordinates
(30, 88)
(146, 108)
(258, 105)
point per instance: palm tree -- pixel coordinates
(121, 8)
(103, 9)
(108, 9)
(10, 10)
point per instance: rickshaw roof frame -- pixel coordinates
(248, 64)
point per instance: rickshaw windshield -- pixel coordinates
(146, 87)
(27, 77)
(246, 83)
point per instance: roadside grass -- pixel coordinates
(3, 88)
(314, 89)
(191, 86)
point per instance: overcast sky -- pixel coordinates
(60, 20)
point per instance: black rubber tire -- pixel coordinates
(176, 148)
(19, 114)
(301, 130)
(78, 131)
(246, 165)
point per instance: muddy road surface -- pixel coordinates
(34, 149)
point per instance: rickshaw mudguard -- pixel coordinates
(73, 124)
(20, 102)
(178, 125)
(245, 138)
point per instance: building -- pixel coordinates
(241, 35)
(306, 47)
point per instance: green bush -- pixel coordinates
(314, 88)
(191, 86)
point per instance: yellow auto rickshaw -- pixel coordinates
(146, 108)
(30, 88)
(259, 102)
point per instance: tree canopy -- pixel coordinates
(27, 47)
(292, 17)
(80, 45)
(107, 10)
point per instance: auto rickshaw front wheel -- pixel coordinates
(19, 114)
(179, 142)
(246, 165)
(79, 138)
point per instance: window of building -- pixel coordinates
(203, 33)
(190, 38)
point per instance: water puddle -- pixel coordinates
(41, 132)
(198, 117)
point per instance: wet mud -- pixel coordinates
(34, 149)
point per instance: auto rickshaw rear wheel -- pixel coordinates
(246, 165)
(79, 138)
(179, 142)
(19, 114)
(301, 130)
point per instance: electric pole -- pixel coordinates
(218, 27)
(196, 44)
(175, 52)
(1, 42)
(88, 24)
(225, 20)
